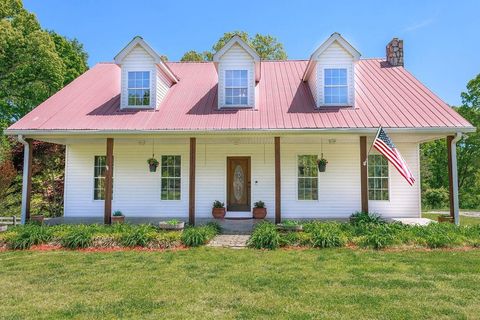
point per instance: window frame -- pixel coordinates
(375, 177)
(225, 87)
(94, 177)
(347, 85)
(180, 177)
(298, 177)
(151, 93)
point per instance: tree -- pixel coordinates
(267, 47)
(434, 154)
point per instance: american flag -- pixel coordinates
(385, 146)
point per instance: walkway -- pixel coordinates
(234, 241)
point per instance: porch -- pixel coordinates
(204, 177)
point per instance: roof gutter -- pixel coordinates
(443, 130)
(456, 206)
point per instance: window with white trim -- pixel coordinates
(236, 87)
(335, 86)
(138, 88)
(171, 177)
(99, 172)
(307, 177)
(377, 177)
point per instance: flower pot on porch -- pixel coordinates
(38, 219)
(445, 219)
(153, 167)
(118, 219)
(322, 167)
(259, 213)
(218, 213)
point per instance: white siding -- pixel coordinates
(239, 59)
(139, 60)
(137, 191)
(334, 56)
(313, 84)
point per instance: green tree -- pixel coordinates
(434, 154)
(267, 47)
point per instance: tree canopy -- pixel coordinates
(267, 47)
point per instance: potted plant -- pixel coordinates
(118, 217)
(322, 164)
(290, 225)
(153, 164)
(259, 210)
(445, 218)
(218, 209)
(38, 218)
(173, 224)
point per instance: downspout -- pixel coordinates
(456, 206)
(26, 161)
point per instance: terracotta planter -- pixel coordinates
(445, 219)
(259, 213)
(322, 167)
(166, 226)
(37, 219)
(218, 213)
(118, 219)
(152, 167)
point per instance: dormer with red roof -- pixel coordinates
(330, 73)
(238, 67)
(145, 78)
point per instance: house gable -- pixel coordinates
(334, 55)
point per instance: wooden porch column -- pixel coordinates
(107, 219)
(27, 180)
(450, 175)
(191, 197)
(278, 190)
(364, 173)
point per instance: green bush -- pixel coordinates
(216, 226)
(138, 236)
(265, 236)
(435, 198)
(28, 235)
(439, 235)
(359, 218)
(197, 236)
(77, 237)
(379, 236)
(328, 235)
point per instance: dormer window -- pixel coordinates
(335, 86)
(138, 88)
(236, 87)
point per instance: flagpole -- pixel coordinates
(371, 146)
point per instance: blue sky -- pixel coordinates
(442, 42)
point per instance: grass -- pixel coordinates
(463, 219)
(206, 283)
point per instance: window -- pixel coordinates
(307, 177)
(377, 177)
(139, 88)
(171, 177)
(236, 87)
(335, 85)
(100, 167)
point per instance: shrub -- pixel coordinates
(439, 235)
(328, 235)
(77, 237)
(138, 236)
(435, 198)
(163, 240)
(378, 237)
(215, 225)
(265, 236)
(28, 235)
(197, 236)
(359, 218)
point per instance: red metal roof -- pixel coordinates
(384, 96)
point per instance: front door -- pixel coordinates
(238, 184)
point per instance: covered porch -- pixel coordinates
(273, 177)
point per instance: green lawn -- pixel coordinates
(205, 283)
(463, 219)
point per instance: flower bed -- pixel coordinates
(116, 236)
(367, 231)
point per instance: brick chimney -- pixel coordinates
(395, 52)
